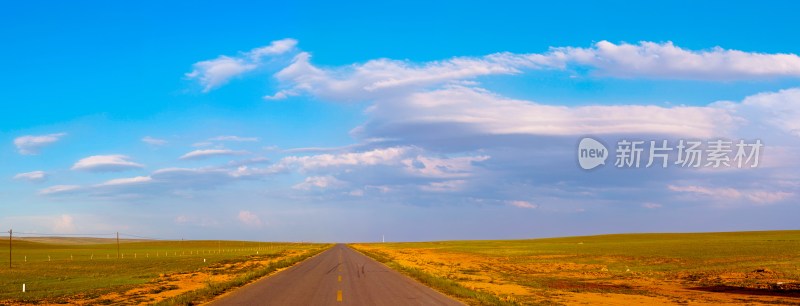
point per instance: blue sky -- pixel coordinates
(420, 121)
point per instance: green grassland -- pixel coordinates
(741, 251)
(696, 259)
(65, 268)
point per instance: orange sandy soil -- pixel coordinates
(174, 284)
(526, 281)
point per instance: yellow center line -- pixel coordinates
(340, 278)
(339, 296)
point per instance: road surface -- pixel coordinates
(338, 276)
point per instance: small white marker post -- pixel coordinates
(26, 258)
(204, 260)
(48, 257)
(23, 287)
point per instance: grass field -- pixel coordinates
(696, 268)
(72, 270)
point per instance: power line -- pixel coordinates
(60, 234)
(90, 235)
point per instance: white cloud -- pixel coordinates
(31, 144)
(274, 48)
(106, 163)
(250, 219)
(757, 196)
(64, 224)
(201, 154)
(33, 176)
(59, 189)
(217, 72)
(409, 95)
(403, 167)
(665, 60)
(442, 167)
(522, 204)
(445, 186)
(166, 181)
(780, 109)
(651, 205)
(458, 112)
(234, 138)
(249, 161)
(768, 197)
(127, 181)
(320, 182)
(376, 78)
(728, 193)
(368, 158)
(153, 141)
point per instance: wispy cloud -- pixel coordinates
(757, 196)
(249, 219)
(59, 189)
(127, 181)
(522, 204)
(320, 182)
(444, 186)
(234, 138)
(644, 60)
(372, 157)
(165, 181)
(33, 176)
(216, 72)
(202, 154)
(665, 60)
(106, 163)
(154, 141)
(32, 144)
(651, 205)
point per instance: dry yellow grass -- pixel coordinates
(650, 269)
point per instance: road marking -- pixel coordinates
(339, 296)
(340, 278)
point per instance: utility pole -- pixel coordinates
(117, 244)
(10, 232)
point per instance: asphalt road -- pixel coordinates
(338, 276)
